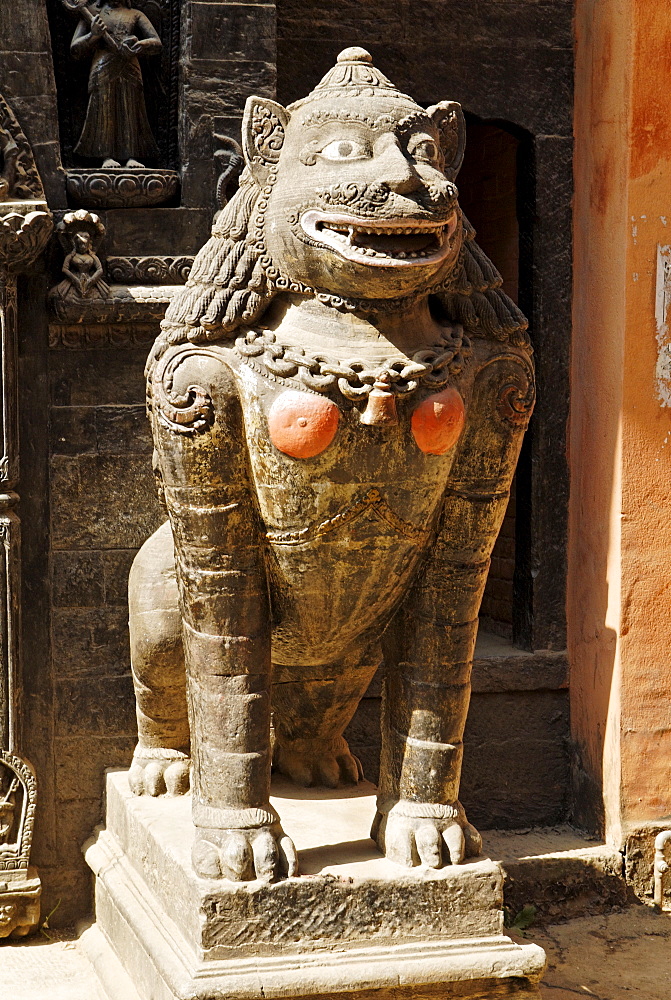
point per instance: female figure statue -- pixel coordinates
(83, 271)
(116, 127)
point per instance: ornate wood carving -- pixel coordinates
(25, 225)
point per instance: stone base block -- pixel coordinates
(19, 903)
(352, 922)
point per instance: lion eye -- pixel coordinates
(426, 149)
(344, 149)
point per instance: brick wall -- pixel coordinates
(103, 507)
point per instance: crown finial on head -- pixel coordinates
(354, 74)
(355, 54)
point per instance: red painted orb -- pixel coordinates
(438, 421)
(302, 425)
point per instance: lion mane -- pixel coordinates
(234, 280)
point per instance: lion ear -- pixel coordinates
(449, 120)
(263, 129)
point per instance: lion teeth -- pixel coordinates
(350, 230)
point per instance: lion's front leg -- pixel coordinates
(425, 702)
(429, 646)
(226, 629)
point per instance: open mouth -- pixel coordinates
(388, 243)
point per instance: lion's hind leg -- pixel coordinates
(161, 759)
(312, 707)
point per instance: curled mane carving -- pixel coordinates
(233, 281)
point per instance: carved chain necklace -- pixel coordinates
(356, 379)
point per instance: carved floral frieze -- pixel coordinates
(122, 187)
(155, 270)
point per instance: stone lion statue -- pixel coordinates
(337, 397)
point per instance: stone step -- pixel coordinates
(559, 870)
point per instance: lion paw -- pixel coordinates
(330, 767)
(156, 771)
(264, 853)
(410, 839)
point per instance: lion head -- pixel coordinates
(348, 195)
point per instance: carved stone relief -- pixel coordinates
(116, 67)
(83, 302)
(230, 161)
(19, 886)
(25, 226)
(20, 179)
(155, 270)
(80, 234)
(121, 188)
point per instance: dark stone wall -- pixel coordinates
(27, 83)
(507, 59)
(102, 508)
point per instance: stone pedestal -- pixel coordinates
(352, 922)
(19, 903)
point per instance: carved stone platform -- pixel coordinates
(352, 922)
(121, 187)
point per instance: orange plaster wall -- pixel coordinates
(646, 459)
(619, 594)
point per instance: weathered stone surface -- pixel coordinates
(90, 641)
(95, 706)
(354, 922)
(234, 28)
(559, 871)
(101, 501)
(516, 759)
(97, 377)
(156, 230)
(639, 855)
(81, 762)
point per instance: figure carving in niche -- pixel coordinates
(115, 36)
(338, 398)
(80, 233)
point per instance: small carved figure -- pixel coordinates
(19, 885)
(115, 36)
(79, 233)
(338, 398)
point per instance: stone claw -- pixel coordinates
(410, 840)
(329, 768)
(157, 771)
(264, 853)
